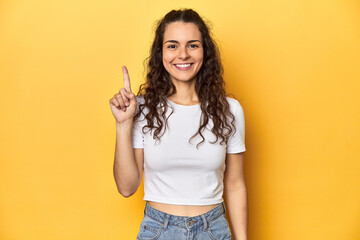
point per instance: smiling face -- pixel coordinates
(182, 51)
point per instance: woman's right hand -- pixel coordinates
(123, 104)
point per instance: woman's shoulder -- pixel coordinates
(140, 99)
(234, 104)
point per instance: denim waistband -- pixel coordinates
(183, 221)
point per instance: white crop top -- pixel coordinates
(175, 171)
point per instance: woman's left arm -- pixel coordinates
(235, 195)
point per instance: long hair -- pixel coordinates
(209, 85)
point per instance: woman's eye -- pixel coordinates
(193, 46)
(172, 46)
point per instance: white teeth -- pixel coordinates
(183, 65)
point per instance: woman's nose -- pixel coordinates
(183, 54)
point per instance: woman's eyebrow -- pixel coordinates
(174, 41)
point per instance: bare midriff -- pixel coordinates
(182, 210)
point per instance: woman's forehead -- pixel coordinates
(181, 31)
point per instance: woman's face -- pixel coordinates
(182, 51)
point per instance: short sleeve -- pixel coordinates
(236, 142)
(137, 136)
(137, 133)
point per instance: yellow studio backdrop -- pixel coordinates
(293, 65)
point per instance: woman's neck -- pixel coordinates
(185, 93)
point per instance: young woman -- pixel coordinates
(185, 135)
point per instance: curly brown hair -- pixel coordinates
(209, 85)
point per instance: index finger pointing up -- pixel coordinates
(126, 79)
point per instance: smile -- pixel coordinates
(183, 67)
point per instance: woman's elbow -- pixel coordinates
(125, 193)
(128, 191)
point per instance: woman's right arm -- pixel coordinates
(128, 162)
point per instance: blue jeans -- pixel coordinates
(160, 225)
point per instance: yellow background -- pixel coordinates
(293, 65)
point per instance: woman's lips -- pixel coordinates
(183, 67)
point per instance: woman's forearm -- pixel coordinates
(236, 203)
(126, 171)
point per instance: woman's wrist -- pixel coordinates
(124, 125)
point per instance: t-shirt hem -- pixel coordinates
(138, 147)
(184, 201)
(236, 150)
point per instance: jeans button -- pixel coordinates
(190, 222)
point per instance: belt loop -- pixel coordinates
(166, 221)
(205, 222)
(224, 207)
(146, 208)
